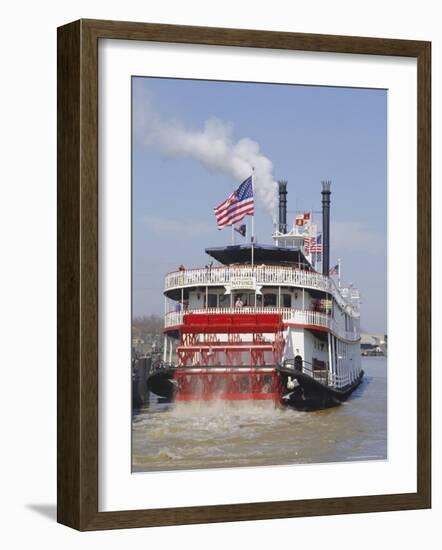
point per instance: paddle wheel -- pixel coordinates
(229, 357)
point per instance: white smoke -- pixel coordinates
(214, 148)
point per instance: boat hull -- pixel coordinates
(178, 384)
(161, 382)
(312, 394)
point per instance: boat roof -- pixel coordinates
(262, 254)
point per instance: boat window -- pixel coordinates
(212, 300)
(224, 300)
(286, 300)
(249, 299)
(269, 300)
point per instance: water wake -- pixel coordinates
(224, 408)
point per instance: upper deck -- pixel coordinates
(238, 277)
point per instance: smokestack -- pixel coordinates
(326, 227)
(282, 185)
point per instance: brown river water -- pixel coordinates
(232, 434)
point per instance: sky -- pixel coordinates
(191, 142)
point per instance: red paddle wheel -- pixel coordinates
(229, 357)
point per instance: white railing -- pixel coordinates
(329, 378)
(259, 275)
(350, 294)
(289, 316)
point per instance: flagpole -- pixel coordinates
(253, 224)
(253, 238)
(310, 230)
(233, 225)
(339, 272)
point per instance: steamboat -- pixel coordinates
(261, 322)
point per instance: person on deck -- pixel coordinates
(239, 302)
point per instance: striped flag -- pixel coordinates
(238, 204)
(313, 244)
(317, 245)
(308, 243)
(317, 249)
(334, 270)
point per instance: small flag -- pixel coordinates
(306, 216)
(241, 229)
(238, 204)
(308, 243)
(317, 247)
(313, 244)
(334, 270)
(299, 220)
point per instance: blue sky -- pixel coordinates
(309, 134)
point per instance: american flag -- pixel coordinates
(238, 204)
(313, 244)
(334, 270)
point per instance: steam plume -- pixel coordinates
(213, 147)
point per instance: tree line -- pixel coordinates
(151, 324)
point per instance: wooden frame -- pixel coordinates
(78, 274)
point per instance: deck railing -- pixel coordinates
(326, 377)
(257, 275)
(289, 316)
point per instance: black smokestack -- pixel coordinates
(282, 184)
(326, 227)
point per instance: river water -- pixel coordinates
(232, 434)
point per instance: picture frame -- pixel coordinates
(78, 291)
